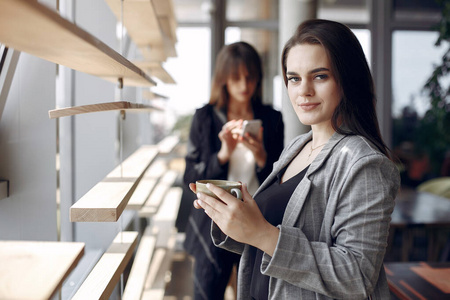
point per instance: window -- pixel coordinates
(266, 43)
(417, 139)
(251, 10)
(190, 70)
(345, 11)
(192, 11)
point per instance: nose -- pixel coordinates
(243, 82)
(306, 89)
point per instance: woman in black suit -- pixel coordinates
(216, 150)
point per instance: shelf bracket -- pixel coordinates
(120, 87)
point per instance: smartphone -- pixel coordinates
(251, 126)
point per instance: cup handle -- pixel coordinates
(237, 193)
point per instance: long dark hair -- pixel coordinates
(357, 108)
(228, 61)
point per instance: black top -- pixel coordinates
(272, 202)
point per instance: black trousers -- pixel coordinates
(211, 279)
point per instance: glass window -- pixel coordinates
(363, 36)
(420, 11)
(345, 11)
(417, 137)
(190, 70)
(251, 10)
(192, 10)
(266, 43)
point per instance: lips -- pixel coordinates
(308, 106)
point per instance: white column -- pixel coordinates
(292, 13)
(382, 63)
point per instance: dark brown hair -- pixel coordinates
(228, 61)
(357, 108)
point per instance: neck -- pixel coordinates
(321, 134)
(240, 110)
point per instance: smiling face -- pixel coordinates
(242, 86)
(312, 88)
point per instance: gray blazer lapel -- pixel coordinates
(300, 194)
(286, 157)
(295, 204)
(325, 153)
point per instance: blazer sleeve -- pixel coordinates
(222, 240)
(348, 265)
(201, 158)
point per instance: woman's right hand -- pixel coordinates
(229, 136)
(242, 220)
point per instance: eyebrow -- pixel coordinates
(313, 71)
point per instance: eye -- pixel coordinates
(293, 79)
(321, 76)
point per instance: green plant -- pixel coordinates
(434, 128)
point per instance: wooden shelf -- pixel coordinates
(155, 69)
(40, 31)
(166, 16)
(107, 106)
(106, 274)
(164, 221)
(154, 53)
(166, 216)
(155, 282)
(139, 19)
(149, 95)
(36, 270)
(141, 263)
(168, 144)
(106, 201)
(151, 206)
(149, 26)
(147, 184)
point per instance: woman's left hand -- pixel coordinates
(256, 145)
(240, 219)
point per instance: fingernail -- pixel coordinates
(208, 185)
(200, 202)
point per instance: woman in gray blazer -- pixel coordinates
(317, 227)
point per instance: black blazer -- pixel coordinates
(204, 143)
(202, 162)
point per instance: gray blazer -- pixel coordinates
(335, 228)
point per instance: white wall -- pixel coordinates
(27, 153)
